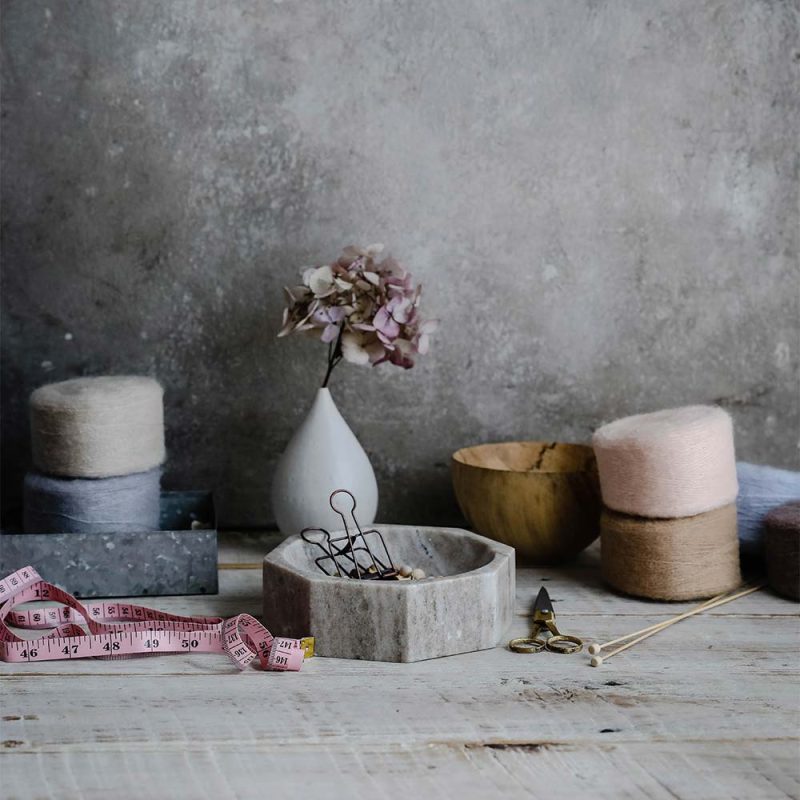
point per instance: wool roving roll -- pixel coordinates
(671, 559)
(92, 505)
(760, 490)
(673, 463)
(782, 546)
(98, 427)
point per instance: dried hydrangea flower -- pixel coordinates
(367, 311)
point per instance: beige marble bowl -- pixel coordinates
(542, 498)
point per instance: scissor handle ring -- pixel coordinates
(564, 644)
(526, 645)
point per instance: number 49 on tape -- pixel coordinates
(119, 629)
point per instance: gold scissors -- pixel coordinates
(545, 620)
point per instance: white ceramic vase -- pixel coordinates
(322, 456)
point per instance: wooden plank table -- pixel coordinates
(708, 709)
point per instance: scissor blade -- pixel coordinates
(543, 602)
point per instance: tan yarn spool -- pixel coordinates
(671, 559)
(666, 464)
(782, 549)
(98, 427)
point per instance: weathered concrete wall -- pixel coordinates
(601, 199)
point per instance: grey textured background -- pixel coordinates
(600, 198)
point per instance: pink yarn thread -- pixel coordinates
(667, 464)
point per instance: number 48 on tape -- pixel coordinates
(119, 629)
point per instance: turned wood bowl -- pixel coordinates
(542, 498)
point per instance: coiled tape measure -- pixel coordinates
(117, 630)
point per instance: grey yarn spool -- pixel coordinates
(123, 504)
(98, 427)
(760, 490)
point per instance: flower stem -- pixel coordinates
(334, 356)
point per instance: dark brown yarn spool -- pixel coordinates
(671, 559)
(782, 546)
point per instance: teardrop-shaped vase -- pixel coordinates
(322, 456)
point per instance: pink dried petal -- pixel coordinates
(429, 326)
(400, 308)
(387, 343)
(329, 333)
(384, 323)
(401, 360)
(355, 265)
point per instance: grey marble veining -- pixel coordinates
(117, 564)
(173, 560)
(468, 608)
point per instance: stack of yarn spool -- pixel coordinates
(761, 489)
(98, 444)
(668, 482)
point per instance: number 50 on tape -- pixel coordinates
(120, 629)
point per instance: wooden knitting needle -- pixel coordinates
(598, 660)
(594, 649)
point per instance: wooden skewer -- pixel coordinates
(594, 649)
(598, 660)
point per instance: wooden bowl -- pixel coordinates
(542, 498)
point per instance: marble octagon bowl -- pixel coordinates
(468, 608)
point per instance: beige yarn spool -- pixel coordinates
(671, 559)
(98, 427)
(673, 463)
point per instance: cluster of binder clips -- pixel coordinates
(354, 553)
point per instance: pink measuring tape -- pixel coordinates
(122, 629)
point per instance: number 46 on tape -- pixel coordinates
(120, 629)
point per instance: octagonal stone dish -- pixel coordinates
(468, 608)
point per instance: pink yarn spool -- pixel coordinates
(673, 463)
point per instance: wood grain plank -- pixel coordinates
(583, 589)
(597, 616)
(709, 708)
(712, 771)
(494, 695)
(703, 645)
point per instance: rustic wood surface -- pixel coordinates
(708, 709)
